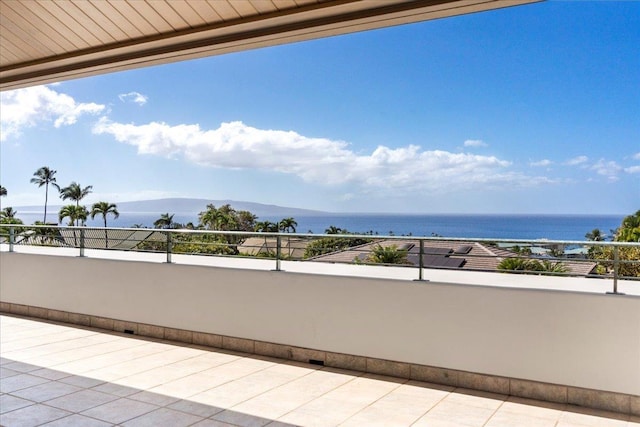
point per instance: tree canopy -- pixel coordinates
(629, 230)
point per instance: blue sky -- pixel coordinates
(530, 109)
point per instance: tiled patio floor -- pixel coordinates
(59, 375)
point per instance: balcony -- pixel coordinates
(558, 339)
(71, 375)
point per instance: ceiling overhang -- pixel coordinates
(43, 41)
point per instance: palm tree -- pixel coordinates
(8, 213)
(334, 230)
(75, 192)
(74, 213)
(165, 221)
(288, 225)
(629, 230)
(45, 176)
(595, 235)
(104, 209)
(266, 227)
(215, 219)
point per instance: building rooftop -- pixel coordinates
(443, 254)
(56, 374)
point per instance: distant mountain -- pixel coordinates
(193, 206)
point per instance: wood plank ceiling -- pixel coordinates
(42, 41)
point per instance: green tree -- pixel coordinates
(4, 229)
(45, 176)
(74, 213)
(629, 230)
(325, 245)
(266, 227)
(246, 221)
(8, 212)
(75, 192)
(3, 191)
(104, 209)
(165, 221)
(216, 219)
(288, 225)
(595, 235)
(334, 230)
(387, 255)
(532, 265)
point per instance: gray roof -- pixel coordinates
(445, 254)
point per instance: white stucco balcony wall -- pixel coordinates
(580, 339)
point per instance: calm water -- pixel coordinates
(554, 227)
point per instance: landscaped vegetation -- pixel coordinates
(629, 231)
(532, 265)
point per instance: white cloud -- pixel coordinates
(136, 97)
(636, 156)
(608, 169)
(541, 163)
(23, 108)
(319, 160)
(475, 143)
(577, 161)
(632, 169)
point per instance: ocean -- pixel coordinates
(552, 227)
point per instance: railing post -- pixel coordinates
(616, 265)
(82, 242)
(12, 238)
(278, 250)
(169, 247)
(421, 262)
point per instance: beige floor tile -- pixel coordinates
(260, 409)
(21, 366)
(18, 382)
(241, 419)
(119, 411)
(195, 408)
(50, 374)
(401, 407)
(592, 418)
(186, 386)
(10, 403)
(115, 389)
(46, 391)
(77, 420)
(475, 398)
(507, 419)
(151, 378)
(81, 381)
(6, 373)
(212, 423)
(464, 415)
(154, 398)
(546, 410)
(322, 412)
(81, 400)
(30, 416)
(362, 390)
(163, 417)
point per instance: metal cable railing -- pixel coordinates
(597, 259)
